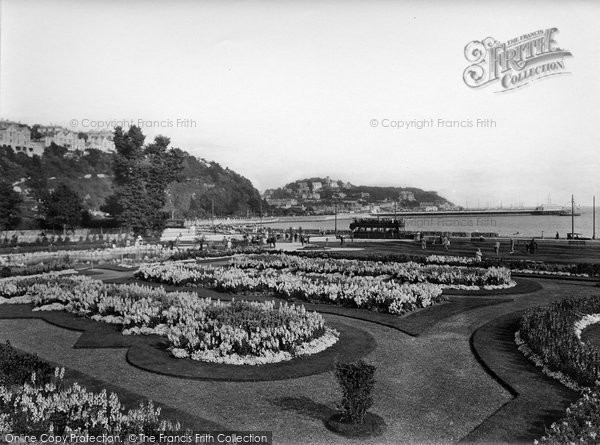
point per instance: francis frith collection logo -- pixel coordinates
(515, 63)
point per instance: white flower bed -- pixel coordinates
(13, 289)
(370, 292)
(447, 259)
(32, 406)
(22, 259)
(319, 344)
(551, 273)
(237, 332)
(407, 271)
(584, 322)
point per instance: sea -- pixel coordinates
(506, 225)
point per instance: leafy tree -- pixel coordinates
(62, 207)
(142, 175)
(9, 207)
(35, 132)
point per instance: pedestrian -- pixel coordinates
(423, 244)
(512, 246)
(497, 247)
(478, 256)
(557, 236)
(533, 246)
(229, 244)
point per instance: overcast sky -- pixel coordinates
(281, 90)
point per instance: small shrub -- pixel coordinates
(16, 367)
(357, 381)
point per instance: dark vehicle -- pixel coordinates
(375, 228)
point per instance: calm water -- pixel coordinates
(530, 225)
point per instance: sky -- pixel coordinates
(283, 90)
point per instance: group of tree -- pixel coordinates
(141, 176)
(9, 206)
(139, 185)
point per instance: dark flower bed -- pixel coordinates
(16, 367)
(550, 333)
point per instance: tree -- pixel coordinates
(142, 175)
(63, 208)
(9, 207)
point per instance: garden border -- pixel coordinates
(149, 352)
(538, 400)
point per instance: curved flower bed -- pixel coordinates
(374, 293)
(54, 409)
(555, 273)
(237, 333)
(12, 288)
(551, 337)
(408, 271)
(551, 333)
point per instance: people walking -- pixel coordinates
(533, 247)
(497, 247)
(512, 246)
(478, 256)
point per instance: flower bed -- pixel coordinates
(13, 289)
(550, 332)
(551, 337)
(109, 254)
(576, 269)
(235, 333)
(375, 293)
(580, 425)
(555, 273)
(406, 272)
(447, 259)
(34, 398)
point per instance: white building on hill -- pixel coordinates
(18, 137)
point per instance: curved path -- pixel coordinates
(430, 388)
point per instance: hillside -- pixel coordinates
(90, 173)
(318, 194)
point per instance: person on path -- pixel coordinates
(512, 246)
(446, 242)
(478, 256)
(497, 247)
(533, 246)
(423, 243)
